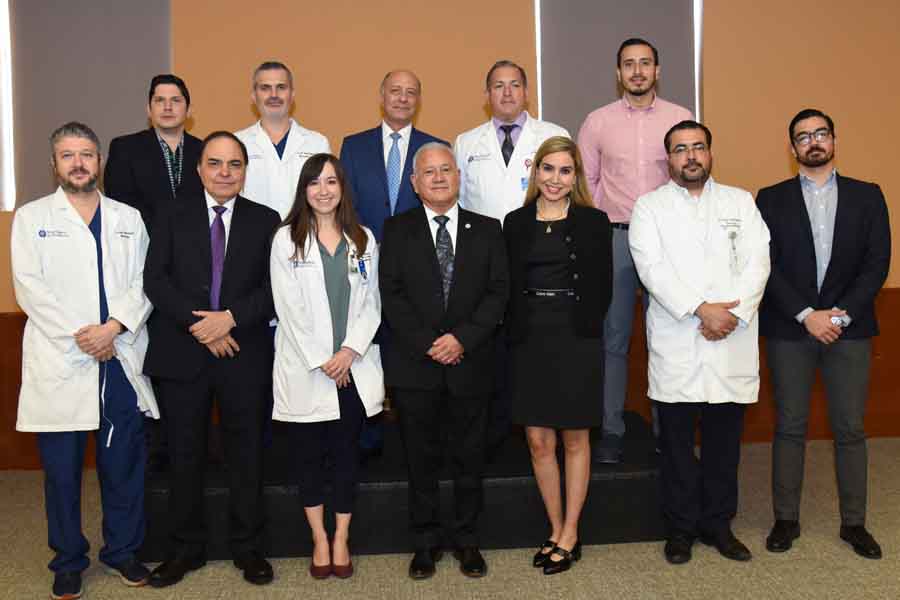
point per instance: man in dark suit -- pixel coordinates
(444, 284)
(148, 169)
(831, 249)
(378, 163)
(207, 275)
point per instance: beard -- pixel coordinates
(694, 179)
(634, 90)
(823, 158)
(88, 186)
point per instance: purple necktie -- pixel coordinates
(217, 244)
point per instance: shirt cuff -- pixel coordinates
(801, 316)
(845, 320)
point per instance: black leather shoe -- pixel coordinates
(552, 567)
(609, 450)
(422, 564)
(678, 548)
(861, 540)
(471, 563)
(540, 556)
(257, 569)
(782, 536)
(172, 571)
(728, 546)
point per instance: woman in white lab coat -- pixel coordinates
(327, 375)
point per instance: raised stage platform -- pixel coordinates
(622, 504)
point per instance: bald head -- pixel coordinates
(400, 92)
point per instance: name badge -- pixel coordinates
(524, 183)
(358, 265)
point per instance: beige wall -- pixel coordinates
(340, 50)
(766, 60)
(762, 61)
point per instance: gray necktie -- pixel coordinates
(443, 245)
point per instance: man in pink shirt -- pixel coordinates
(624, 158)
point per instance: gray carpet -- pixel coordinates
(819, 567)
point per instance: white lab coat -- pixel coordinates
(683, 252)
(487, 185)
(272, 181)
(304, 341)
(54, 262)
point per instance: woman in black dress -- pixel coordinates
(560, 256)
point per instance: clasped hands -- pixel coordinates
(818, 324)
(446, 350)
(716, 320)
(99, 340)
(213, 330)
(338, 366)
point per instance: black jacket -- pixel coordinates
(136, 172)
(589, 237)
(412, 302)
(860, 258)
(177, 277)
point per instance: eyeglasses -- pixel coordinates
(804, 139)
(682, 149)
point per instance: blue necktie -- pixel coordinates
(393, 172)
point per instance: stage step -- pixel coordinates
(622, 504)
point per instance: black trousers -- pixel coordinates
(337, 440)
(242, 398)
(432, 420)
(699, 495)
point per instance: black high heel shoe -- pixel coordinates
(552, 567)
(541, 557)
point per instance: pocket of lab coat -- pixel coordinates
(743, 352)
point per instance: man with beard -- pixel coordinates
(623, 157)
(77, 261)
(276, 144)
(831, 249)
(702, 251)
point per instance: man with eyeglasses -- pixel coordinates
(831, 249)
(702, 251)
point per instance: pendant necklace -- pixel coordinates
(549, 228)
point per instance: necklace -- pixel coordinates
(541, 216)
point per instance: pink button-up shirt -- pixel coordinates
(623, 152)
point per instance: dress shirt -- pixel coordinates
(624, 154)
(453, 215)
(226, 216)
(402, 142)
(821, 206)
(515, 133)
(174, 160)
(688, 250)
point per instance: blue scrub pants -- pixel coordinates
(121, 458)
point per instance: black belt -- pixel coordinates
(548, 293)
(620, 226)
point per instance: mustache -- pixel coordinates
(274, 102)
(79, 171)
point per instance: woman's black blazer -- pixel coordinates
(589, 238)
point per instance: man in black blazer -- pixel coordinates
(148, 169)
(207, 275)
(830, 249)
(444, 285)
(378, 164)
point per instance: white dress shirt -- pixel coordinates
(402, 142)
(226, 216)
(688, 250)
(453, 214)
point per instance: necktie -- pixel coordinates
(393, 171)
(507, 148)
(443, 245)
(217, 245)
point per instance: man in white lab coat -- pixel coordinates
(494, 162)
(276, 144)
(702, 251)
(78, 261)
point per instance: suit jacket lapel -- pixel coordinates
(160, 170)
(463, 250)
(235, 238)
(800, 215)
(378, 151)
(842, 217)
(422, 245)
(204, 250)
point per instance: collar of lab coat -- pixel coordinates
(295, 134)
(108, 208)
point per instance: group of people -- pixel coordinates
(258, 271)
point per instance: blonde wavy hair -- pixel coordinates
(580, 194)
